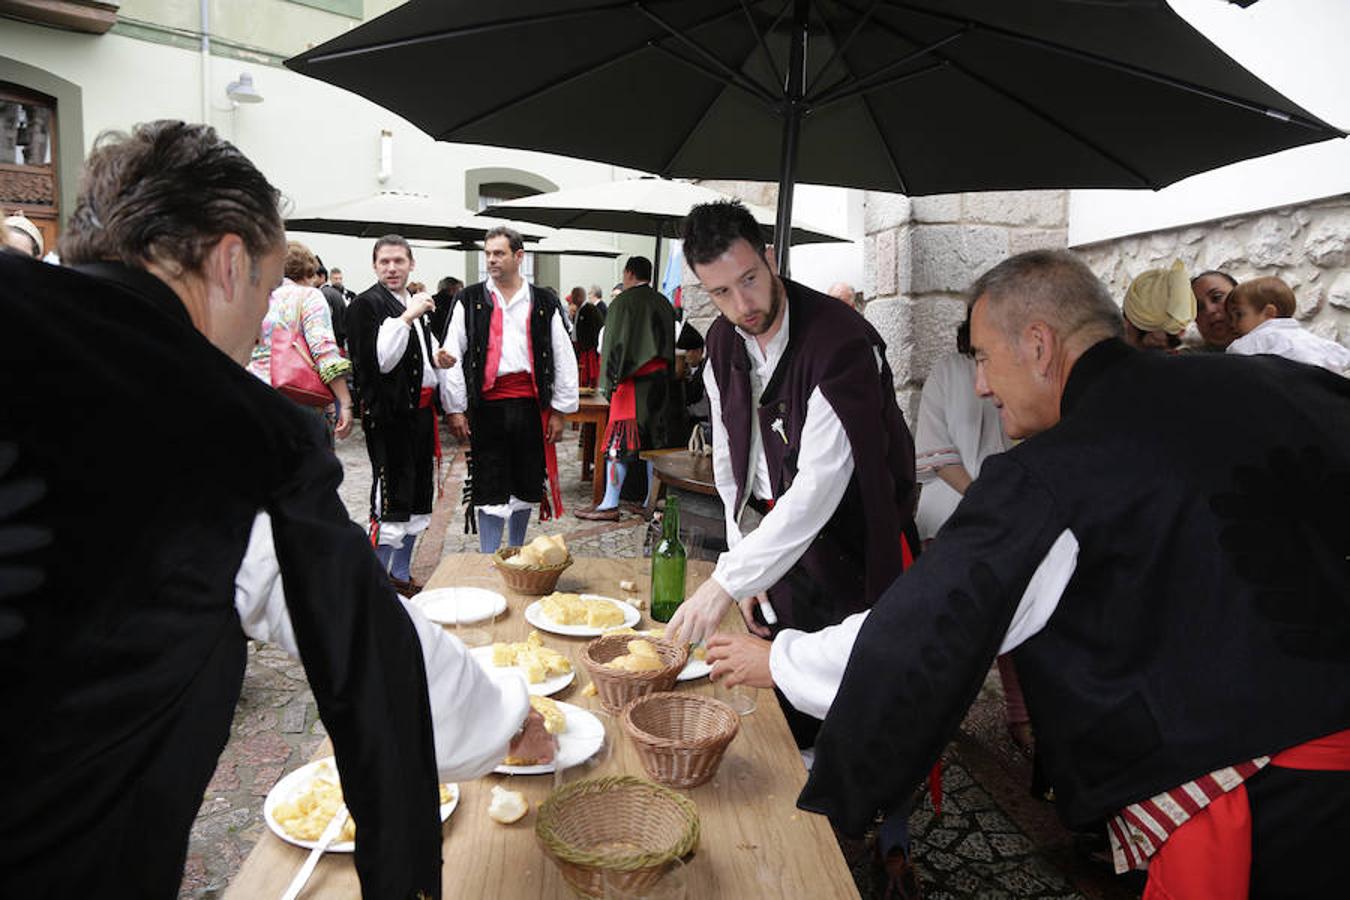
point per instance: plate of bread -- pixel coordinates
(580, 615)
(545, 670)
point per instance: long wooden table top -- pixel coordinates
(755, 842)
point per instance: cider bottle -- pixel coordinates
(668, 562)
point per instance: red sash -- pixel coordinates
(622, 431)
(517, 385)
(588, 368)
(1211, 855)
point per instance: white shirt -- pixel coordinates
(757, 561)
(808, 667)
(515, 351)
(474, 715)
(392, 340)
(956, 427)
(1285, 337)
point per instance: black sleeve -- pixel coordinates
(363, 660)
(923, 653)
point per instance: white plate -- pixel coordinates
(542, 689)
(534, 614)
(583, 738)
(694, 668)
(466, 605)
(298, 781)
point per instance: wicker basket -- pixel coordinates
(680, 738)
(615, 687)
(528, 579)
(615, 824)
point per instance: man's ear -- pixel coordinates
(772, 259)
(224, 264)
(1041, 343)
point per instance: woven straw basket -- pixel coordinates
(615, 824)
(535, 580)
(615, 687)
(680, 738)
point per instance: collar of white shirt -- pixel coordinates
(766, 360)
(524, 291)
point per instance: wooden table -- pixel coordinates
(593, 409)
(682, 470)
(755, 842)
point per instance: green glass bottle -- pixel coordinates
(668, 565)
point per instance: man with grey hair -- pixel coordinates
(1165, 555)
(842, 290)
(133, 576)
(596, 295)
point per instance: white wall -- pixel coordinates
(1299, 47)
(318, 144)
(840, 211)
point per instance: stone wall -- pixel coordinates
(1307, 245)
(921, 255)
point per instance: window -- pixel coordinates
(28, 153)
(490, 194)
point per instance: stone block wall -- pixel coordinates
(1307, 245)
(921, 255)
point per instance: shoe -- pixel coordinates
(902, 878)
(407, 588)
(592, 514)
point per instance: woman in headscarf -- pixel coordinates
(1158, 306)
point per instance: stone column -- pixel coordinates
(922, 254)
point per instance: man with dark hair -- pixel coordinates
(1183, 644)
(337, 306)
(446, 290)
(637, 374)
(806, 430)
(396, 356)
(335, 279)
(516, 380)
(134, 577)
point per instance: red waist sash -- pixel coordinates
(514, 386)
(1210, 856)
(622, 432)
(518, 386)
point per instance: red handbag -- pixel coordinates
(293, 371)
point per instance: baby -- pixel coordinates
(1262, 312)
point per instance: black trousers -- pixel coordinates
(403, 461)
(1300, 830)
(507, 451)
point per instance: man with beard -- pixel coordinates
(1172, 587)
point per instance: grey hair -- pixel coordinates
(512, 236)
(1050, 286)
(597, 291)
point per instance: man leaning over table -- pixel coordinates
(1173, 589)
(133, 578)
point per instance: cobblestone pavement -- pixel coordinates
(991, 841)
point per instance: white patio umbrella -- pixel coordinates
(651, 206)
(555, 242)
(413, 215)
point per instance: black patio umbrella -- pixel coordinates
(913, 96)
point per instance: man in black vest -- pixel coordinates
(805, 429)
(516, 380)
(396, 357)
(1165, 554)
(132, 578)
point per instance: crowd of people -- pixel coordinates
(1146, 541)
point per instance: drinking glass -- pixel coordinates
(741, 698)
(672, 884)
(590, 767)
(480, 633)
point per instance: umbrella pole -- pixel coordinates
(656, 263)
(794, 90)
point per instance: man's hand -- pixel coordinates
(699, 616)
(344, 420)
(444, 360)
(740, 659)
(748, 606)
(555, 427)
(534, 741)
(418, 306)
(459, 427)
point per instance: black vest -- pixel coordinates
(384, 394)
(477, 304)
(831, 347)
